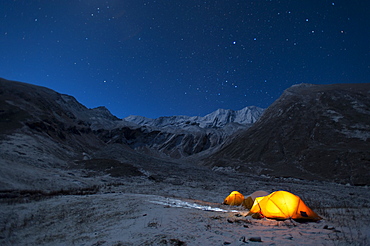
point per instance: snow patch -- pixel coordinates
(360, 134)
(335, 116)
(225, 169)
(171, 202)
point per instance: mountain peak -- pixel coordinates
(103, 112)
(216, 119)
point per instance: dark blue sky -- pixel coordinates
(183, 57)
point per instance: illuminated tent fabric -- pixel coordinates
(249, 200)
(283, 205)
(234, 199)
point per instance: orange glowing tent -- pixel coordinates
(234, 199)
(283, 205)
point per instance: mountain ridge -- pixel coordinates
(39, 111)
(311, 132)
(216, 119)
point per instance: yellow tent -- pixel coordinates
(234, 199)
(283, 205)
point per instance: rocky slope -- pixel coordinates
(310, 132)
(43, 132)
(40, 128)
(182, 136)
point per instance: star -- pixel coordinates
(223, 54)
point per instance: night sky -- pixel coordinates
(183, 57)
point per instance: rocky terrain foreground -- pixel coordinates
(183, 208)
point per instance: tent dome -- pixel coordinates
(234, 199)
(283, 205)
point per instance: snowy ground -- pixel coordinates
(144, 212)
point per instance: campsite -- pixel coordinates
(181, 211)
(184, 123)
(70, 175)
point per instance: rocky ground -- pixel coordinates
(180, 207)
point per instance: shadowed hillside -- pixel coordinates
(310, 132)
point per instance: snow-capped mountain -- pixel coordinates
(182, 136)
(216, 119)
